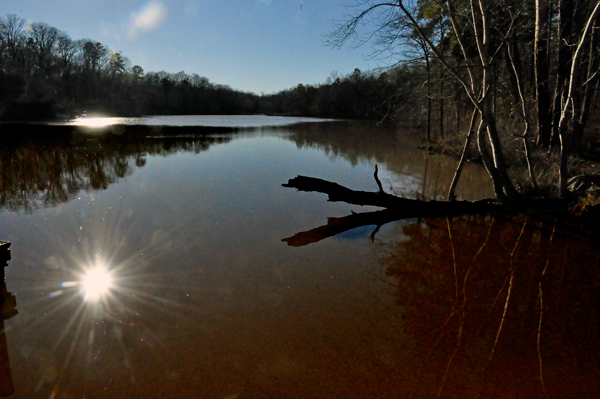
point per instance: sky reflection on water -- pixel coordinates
(208, 302)
(192, 120)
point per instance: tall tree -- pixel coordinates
(542, 72)
(480, 30)
(12, 37)
(44, 38)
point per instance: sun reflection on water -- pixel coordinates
(95, 122)
(95, 283)
(97, 304)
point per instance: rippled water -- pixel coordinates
(208, 301)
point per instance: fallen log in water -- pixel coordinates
(580, 218)
(413, 207)
(397, 208)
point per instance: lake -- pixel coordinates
(205, 300)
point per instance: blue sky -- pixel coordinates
(251, 45)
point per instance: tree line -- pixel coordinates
(379, 95)
(44, 74)
(508, 77)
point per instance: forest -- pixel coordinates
(526, 72)
(44, 74)
(511, 82)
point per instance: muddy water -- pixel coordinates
(205, 300)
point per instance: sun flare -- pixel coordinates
(94, 122)
(95, 283)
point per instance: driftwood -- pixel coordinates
(581, 219)
(396, 208)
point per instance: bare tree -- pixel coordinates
(542, 71)
(477, 85)
(66, 50)
(481, 28)
(571, 105)
(12, 36)
(44, 38)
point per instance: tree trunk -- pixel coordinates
(524, 113)
(565, 27)
(589, 87)
(463, 157)
(400, 208)
(442, 135)
(457, 110)
(542, 73)
(339, 193)
(488, 162)
(502, 183)
(428, 68)
(498, 156)
(571, 103)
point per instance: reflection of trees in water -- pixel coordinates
(353, 141)
(36, 173)
(364, 142)
(497, 307)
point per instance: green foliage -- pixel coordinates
(429, 10)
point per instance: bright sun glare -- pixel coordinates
(95, 283)
(94, 122)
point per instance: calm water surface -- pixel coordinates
(192, 120)
(208, 301)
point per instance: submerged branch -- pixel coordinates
(410, 207)
(396, 209)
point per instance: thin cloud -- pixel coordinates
(150, 17)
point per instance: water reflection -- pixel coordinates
(38, 173)
(492, 305)
(240, 121)
(339, 226)
(96, 283)
(414, 172)
(205, 301)
(89, 330)
(53, 168)
(495, 306)
(96, 122)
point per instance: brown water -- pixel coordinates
(208, 302)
